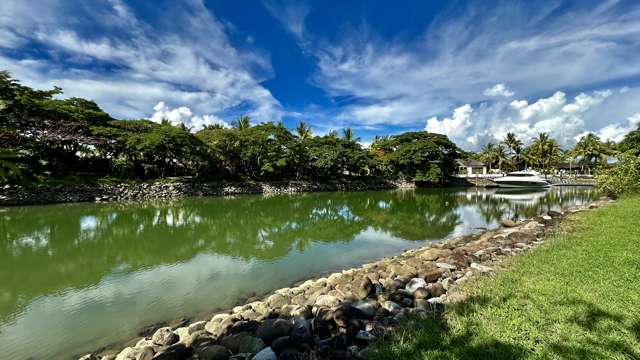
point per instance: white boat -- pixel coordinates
(527, 178)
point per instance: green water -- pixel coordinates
(76, 277)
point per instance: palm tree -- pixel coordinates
(348, 135)
(488, 154)
(590, 151)
(500, 155)
(515, 147)
(243, 122)
(304, 131)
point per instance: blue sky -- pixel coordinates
(472, 70)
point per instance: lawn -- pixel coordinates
(575, 297)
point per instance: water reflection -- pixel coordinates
(108, 263)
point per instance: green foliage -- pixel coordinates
(623, 177)
(631, 142)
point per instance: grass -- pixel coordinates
(575, 297)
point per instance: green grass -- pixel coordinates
(575, 297)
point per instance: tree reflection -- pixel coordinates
(46, 249)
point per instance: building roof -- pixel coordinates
(470, 163)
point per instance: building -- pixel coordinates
(471, 167)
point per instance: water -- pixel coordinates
(75, 277)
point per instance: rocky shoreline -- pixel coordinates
(17, 195)
(338, 316)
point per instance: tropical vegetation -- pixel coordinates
(44, 138)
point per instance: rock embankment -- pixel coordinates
(17, 195)
(338, 316)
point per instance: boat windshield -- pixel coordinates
(520, 174)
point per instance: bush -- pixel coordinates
(623, 178)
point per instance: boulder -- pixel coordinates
(146, 353)
(508, 223)
(265, 354)
(242, 343)
(218, 325)
(366, 308)
(391, 307)
(365, 288)
(436, 290)
(415, 284)
(272, 329)
(481, 268)
(213, 352)
(445, 266)
(164, 337)
(421, 293)
(327, 300)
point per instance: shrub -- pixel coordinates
(624, 177)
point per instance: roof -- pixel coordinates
(470, 163)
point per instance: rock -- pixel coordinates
(366, 308)
(265, 354)
(295, 311)
(391, 307)
(432, 275)
(277, 301)
(415, 284)
(146, 353)
(554, 214)
(365, 288)
(127, 354)
(242, 343)
(445, 266)
(365, 336)
(280, 344)
(290, 354)
(164, 337)
(327, 300)
(508, 223)
(407, 302)
(213, 352)
(196, 326)
(436, 289)
(89, 357)
(521, 236)
(481, 268)
(174, 352)
(271, 329)
(421, 293)
(219, 324)
(244, 326)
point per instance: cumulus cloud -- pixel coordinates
(184, 115)
(193, 64)
(557, 115)
(616, 132)
(455, 126)
(498, 90)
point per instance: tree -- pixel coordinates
(243, 122)
(515, 147)
(631, 142)
(590, 152)
(303, 131)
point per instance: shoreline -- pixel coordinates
(338, 315)
(19, 196)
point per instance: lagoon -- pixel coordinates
(76, 277)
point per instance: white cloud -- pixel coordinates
(184, 115)
(539, 48)
(616, 132)
(455, 126)
(193, 64)
(498, 90)
(556, 115)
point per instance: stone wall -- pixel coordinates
(16, 195)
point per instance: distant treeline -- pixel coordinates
(43, 138)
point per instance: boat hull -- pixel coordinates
(521, 184)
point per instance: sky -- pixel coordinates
(472, 70)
